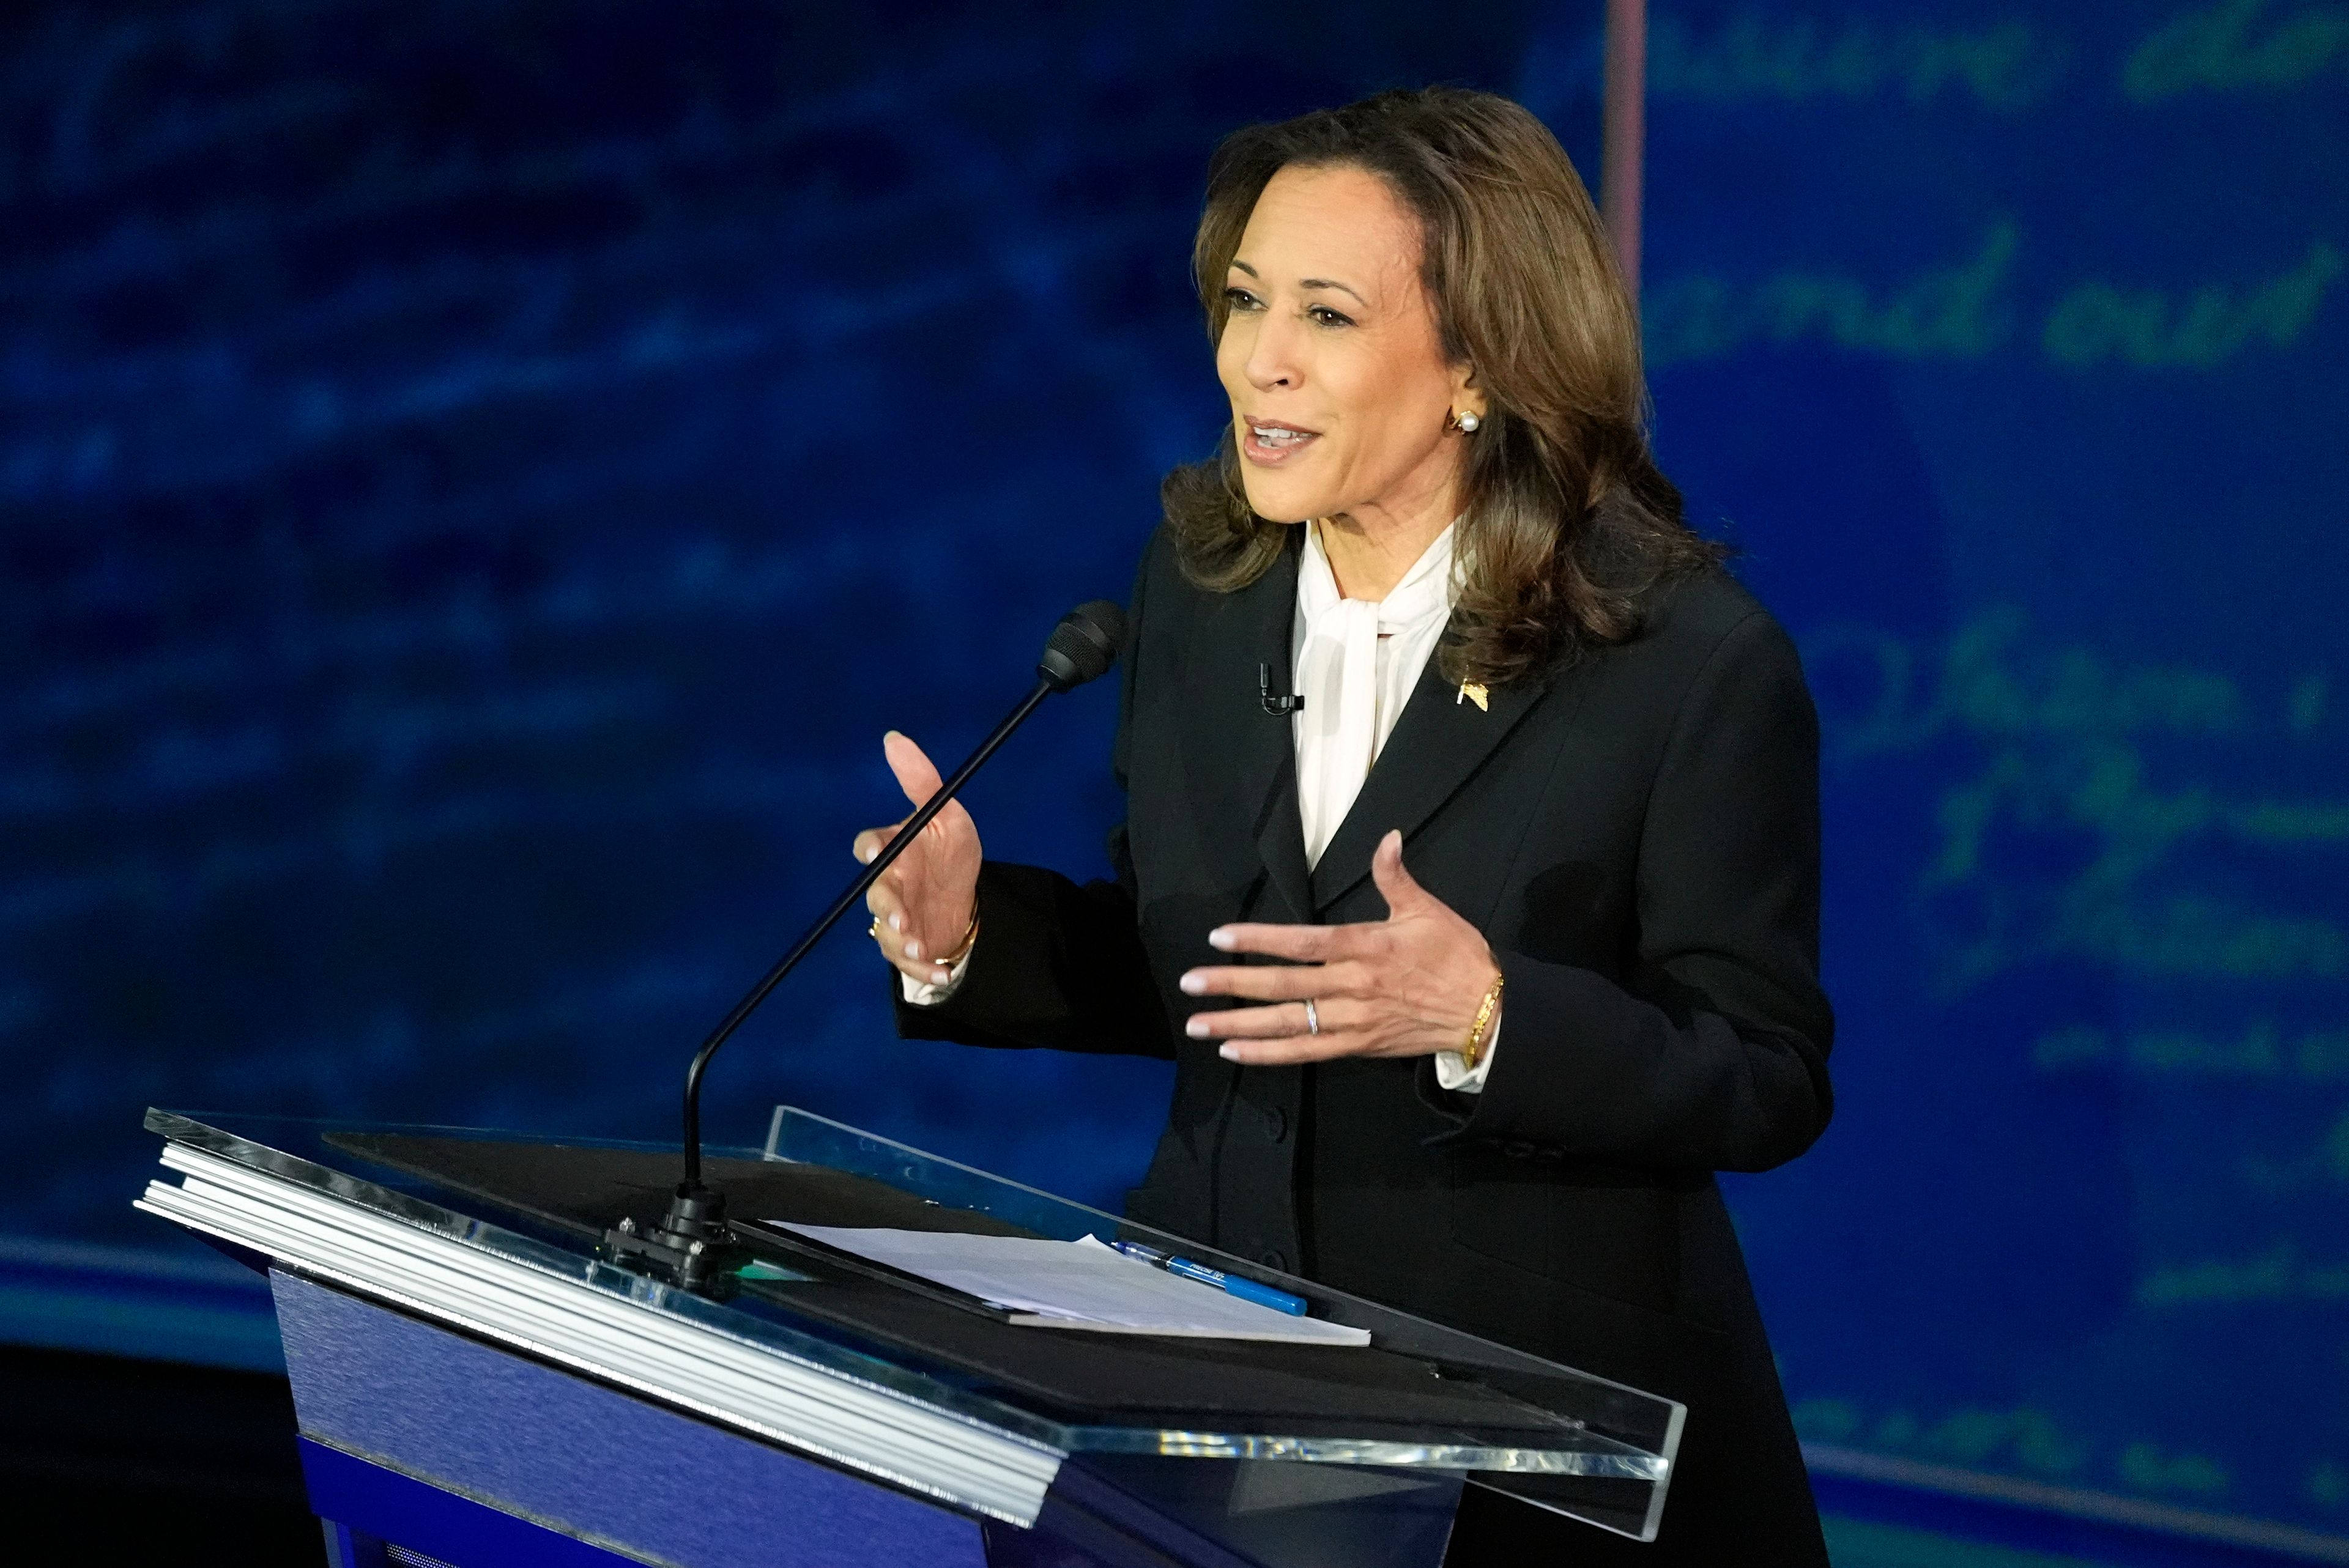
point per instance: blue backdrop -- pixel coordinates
(479, 479)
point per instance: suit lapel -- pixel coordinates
(1280, 840)
(1238, 633)
(1438, 742)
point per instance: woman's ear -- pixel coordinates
(1467, 397)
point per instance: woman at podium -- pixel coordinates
(1470, 868)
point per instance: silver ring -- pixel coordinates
(1312, 1017)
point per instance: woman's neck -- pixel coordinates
(1371, 551)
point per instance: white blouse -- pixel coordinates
(1356, 665)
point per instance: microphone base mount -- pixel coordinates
(692, 1247)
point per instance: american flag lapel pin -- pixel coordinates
(1473, 691)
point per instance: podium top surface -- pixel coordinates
(1421, 1395)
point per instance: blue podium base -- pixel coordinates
(399, 1415)
(366, 1508)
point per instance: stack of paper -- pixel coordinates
(1076, 1285)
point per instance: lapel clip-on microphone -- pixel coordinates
(693, 1246)
(1280, 707)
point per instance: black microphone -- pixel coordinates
(1275, 703)
(693, 1246)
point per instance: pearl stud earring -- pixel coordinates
(1465, 423)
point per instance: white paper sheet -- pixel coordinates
(1076, 1285)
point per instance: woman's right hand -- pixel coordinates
(923, 904)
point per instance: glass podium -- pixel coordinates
(458, 1343)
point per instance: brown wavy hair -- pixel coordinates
(1568, 524)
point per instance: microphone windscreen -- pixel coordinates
(1083, 645)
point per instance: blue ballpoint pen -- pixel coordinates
(1230, 1284)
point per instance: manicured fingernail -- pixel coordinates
(942, 977)
(914, 949)
(1220, 940)
(864, 855)
(1197, 1028)
(897, 922)
(1193, 983)
(1228, 1051)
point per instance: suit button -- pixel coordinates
(1275, 1259)
(1276, 1122)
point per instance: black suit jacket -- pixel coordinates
(1637, 835)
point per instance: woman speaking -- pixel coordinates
(1470, 867)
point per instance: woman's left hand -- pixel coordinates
(1408, 986)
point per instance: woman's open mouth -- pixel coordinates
(1270, 442)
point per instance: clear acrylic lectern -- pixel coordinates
(476, 1385)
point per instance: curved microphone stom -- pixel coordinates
(693, 1246)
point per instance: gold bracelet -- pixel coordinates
(1472, 1050)
(962, 949)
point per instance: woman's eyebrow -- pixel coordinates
(1240, 265)
(1329, 283)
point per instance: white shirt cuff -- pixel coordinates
(1453, 1073)
(921, 994)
